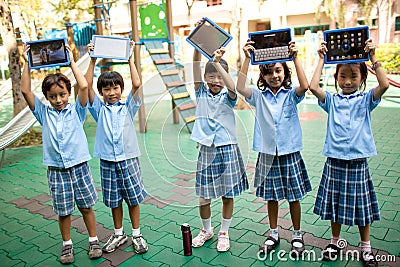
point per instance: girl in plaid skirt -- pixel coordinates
(346, 194)
(280, 170)
(220, 167)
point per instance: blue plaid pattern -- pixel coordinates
(286, 178)
(346, 194)
(220, 172)
(122, 180)
(71, 185)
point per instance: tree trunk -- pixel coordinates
(10, 42)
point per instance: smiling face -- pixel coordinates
(58, 96)
(111, 93)
(349, 78)
(274, 76)
(214, 82)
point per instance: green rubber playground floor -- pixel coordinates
(29, 234)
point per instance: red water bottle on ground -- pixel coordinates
(187, 239)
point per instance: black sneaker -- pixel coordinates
(368, 259)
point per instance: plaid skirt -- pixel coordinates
(346, 194)
(122, 180)
(220, 172)
(281, 177)
(70, 186)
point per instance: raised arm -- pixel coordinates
(383, 82)
(314, 85)
(303, 87)
(26, 80)
(196, 69)
(136, 83)
(225, 76)
(242, 77)
(80, 79)
(90, 74)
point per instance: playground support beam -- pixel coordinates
(171, 48)
(136, 52)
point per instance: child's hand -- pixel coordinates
(218, 54)
(90, 47)
(199, 22)
(248, 46)
(322, 50)
(71, 55)
(370, 47)
(132, 47)
(293, 49)
(25, 49)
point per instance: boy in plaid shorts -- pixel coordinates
(117, 147)
(220, 167)
(65, 152)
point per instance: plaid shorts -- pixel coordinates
(281, 177)
(122, 181)
(346, 194)
(71, 185)
(220, 172)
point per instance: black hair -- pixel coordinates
(55, 78)
(363, 71)
(211, 68)
(266, 69)
(110, 78)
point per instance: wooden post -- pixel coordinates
(171, 48)
(135, 37)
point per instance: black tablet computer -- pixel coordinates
(346, 45)
(270, 46)
(208, 37)
(114, 47)
(48, 53)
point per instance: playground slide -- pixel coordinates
(25, 119)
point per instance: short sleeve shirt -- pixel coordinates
(349, 134)
(64, 140)
(116, 138)
(215, 119)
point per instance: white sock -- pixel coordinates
(207, 224)
(119, 231)
(225, 225)
(297, 235)
(135, 232)
(68, 242)
(92, 239)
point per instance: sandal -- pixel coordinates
(330, 253)
(265, 249)
(368, 259)
(297, 251)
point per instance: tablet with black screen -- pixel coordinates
(346, 45)
(48, 53)
(208, 37)
(270, 46)
(113, 47)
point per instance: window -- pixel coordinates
(397, 24)
(314, 29)
(214, 2)
(263, 26)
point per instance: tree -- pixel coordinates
(366, 7)
(334, 10)
(10, 42)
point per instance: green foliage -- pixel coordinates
(389, 56)
(6, 74)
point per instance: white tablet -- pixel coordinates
(110, 47)
(208, 37)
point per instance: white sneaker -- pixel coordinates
(202, 237)
(114, 241)
(223, 242)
